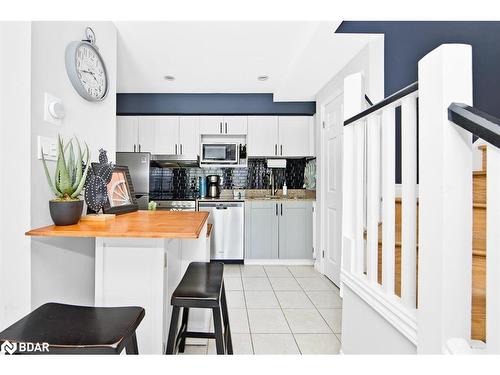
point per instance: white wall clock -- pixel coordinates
(86, 69)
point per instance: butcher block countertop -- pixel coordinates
(142, 224)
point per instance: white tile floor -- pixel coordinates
(280, 310)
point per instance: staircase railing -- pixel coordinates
(486, 127)
(439, 320)
(369, 202)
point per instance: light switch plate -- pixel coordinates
(49, 146)
(48, 99)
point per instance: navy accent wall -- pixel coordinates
(406, 42)
(208, 104)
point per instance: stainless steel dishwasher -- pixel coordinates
(227, 238)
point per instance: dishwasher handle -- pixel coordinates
(220, 205)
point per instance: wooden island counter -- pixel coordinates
(140, 258)
(139, 224)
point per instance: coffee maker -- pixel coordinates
(213, 189)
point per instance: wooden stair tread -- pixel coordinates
(475, 204)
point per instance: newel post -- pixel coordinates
(445, 200)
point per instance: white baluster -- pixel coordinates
(353, 104)
(493, 251)
(388, 198)
(373, 197)
(409, 202)
(359, 134)
(348, 198)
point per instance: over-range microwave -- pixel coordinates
(220, 153)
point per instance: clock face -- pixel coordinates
(90, 71)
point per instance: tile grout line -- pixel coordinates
(246, 309)
(295, 278)
(281, 308)
(316, 308)
(287, 322)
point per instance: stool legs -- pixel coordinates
(219, 333)
(184, 324)
(172, 332)
(225, 317)
(131, 347)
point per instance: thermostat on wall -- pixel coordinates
(53, 109)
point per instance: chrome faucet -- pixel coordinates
(274, 189)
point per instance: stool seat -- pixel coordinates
(72, 329)
(201, 286)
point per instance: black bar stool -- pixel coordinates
(69, 329)
(201, 287)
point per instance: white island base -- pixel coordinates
(145, 272)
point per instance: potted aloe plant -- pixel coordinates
(68, 182)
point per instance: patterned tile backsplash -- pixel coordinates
(254, 176)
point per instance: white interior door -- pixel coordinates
(331, 185)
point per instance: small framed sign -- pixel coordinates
(120, 192)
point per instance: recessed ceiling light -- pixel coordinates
(169, 77)
(263, 78)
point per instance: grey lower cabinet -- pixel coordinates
(261, 232)
(278, 230)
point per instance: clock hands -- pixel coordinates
(91, 73)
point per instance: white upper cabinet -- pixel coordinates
(166, 135)
(126, 133)
(217, 125)
(211, 124)
(189, 135)
(287, 136)
(146, 134)
(295, 136)
(262, 136)
(236, 125)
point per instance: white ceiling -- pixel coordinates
(227, 57)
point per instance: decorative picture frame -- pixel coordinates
(120, 192)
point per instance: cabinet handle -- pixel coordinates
(134, 147)
(176, 148)
(221, 127)
(276, 205)
(180, 148)
(139, 148)
(281, 149)
(226, 127)
(281, 209)
(276, 149)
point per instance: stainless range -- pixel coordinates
(171, 202)
(188, 205)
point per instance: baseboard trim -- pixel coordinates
(280, 262)
(401, 318)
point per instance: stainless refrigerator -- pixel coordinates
(138, 166)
